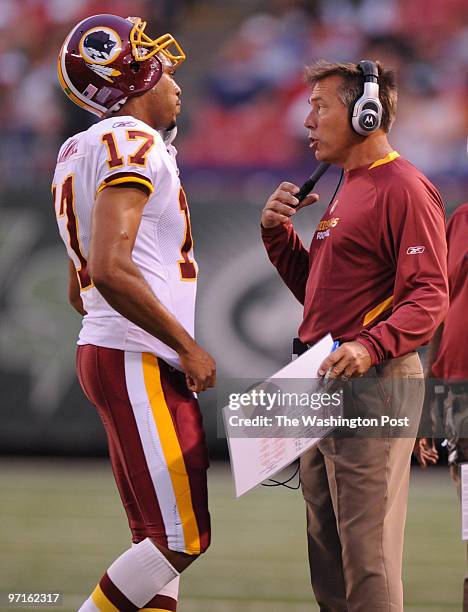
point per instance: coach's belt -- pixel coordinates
(458, 387)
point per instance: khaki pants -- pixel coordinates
(356, 491)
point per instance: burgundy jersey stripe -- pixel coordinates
(118, 175)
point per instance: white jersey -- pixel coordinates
(115, 151)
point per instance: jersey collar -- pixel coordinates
(385, 160)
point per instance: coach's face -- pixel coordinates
(330, 134)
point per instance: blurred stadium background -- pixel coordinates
(240, 133)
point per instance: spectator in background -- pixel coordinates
(255, 80)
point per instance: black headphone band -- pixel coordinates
(369, 70)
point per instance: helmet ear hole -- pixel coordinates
(135, 67)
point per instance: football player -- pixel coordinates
(125, 222)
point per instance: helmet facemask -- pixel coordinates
(144, 47)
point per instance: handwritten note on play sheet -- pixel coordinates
(254, 460)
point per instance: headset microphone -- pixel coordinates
(310, 182)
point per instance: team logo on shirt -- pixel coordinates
(70, 149)
(415, 250)
(323, 228)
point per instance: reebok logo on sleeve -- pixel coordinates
(415, 250)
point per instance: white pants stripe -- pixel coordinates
(153, 451)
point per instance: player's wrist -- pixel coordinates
(185, 346)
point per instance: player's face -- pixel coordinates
(330, 134)
(165, 99)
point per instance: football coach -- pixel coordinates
(375, 277)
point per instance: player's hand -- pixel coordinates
(350, 360)
(282, 205)
(199, 367)
(425, 452)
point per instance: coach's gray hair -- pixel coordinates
(352, 85)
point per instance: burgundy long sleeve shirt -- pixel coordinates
(376, 269)
(452, 358)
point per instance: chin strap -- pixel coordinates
(115, 109)
(168, 135)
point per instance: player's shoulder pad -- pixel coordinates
(122, 129)
(125, 149)
(124, 141)
(71, 146)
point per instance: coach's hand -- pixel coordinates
(282, 205)
(199, 367)
(350, 360)
(425, 452)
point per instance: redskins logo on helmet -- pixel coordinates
(107, 59)
(100, 46)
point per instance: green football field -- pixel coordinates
(62, 524)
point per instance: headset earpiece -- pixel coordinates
(367, 110)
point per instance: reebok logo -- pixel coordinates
(124, 124)
(415, 250)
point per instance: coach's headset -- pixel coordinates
(366, 114)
